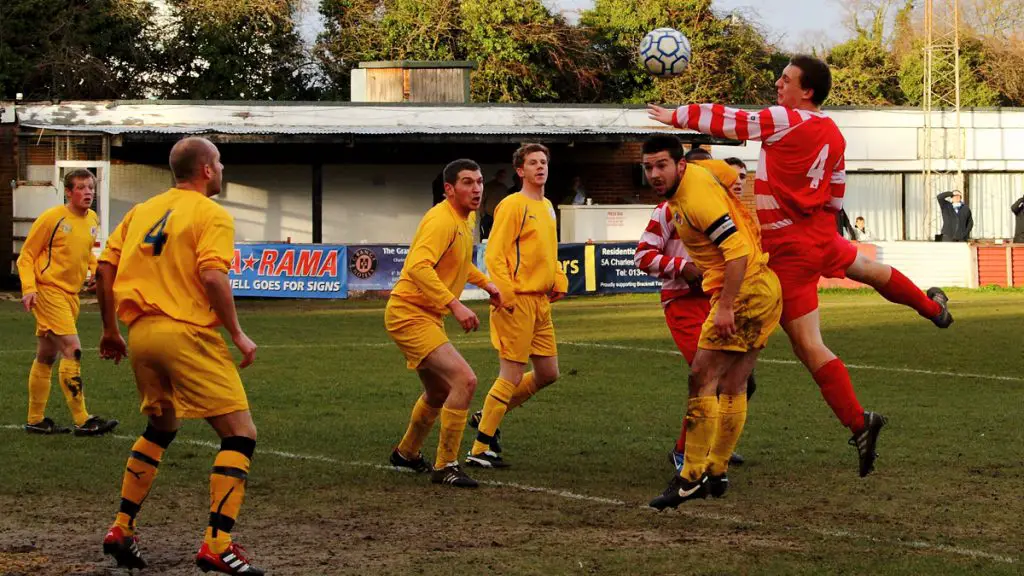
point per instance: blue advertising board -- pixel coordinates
(617, 273)
(375, 266)
(289, 271)
(572, 258)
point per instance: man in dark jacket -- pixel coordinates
(1018, 211)
(957, 221)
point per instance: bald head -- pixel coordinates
(195, 164)
(189, 155)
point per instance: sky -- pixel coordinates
(791, 23)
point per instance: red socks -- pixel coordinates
(834, 381)
(901, 290)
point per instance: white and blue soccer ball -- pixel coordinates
(665, 52)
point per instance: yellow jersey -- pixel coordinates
(58, 250)
(440, 261)
(522, 249)
(713, 225)
(160, 249)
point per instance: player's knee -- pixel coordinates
(161, 438)
(470, 382)
(547, 376)
(46, 358)
(437, 395)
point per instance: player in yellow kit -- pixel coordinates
(724, 242)
(53, 264)
(522, 259)
(165, 273)
(439, 263)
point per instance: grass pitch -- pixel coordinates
(331, 396)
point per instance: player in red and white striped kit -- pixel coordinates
(800, 183)
(660, 253)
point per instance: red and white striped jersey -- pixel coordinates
(661, 254)
(801, 174)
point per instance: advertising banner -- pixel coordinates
(616, 272)
(289, 271)
(574, 262)
(375, 266)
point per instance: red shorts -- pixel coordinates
(685, 317)
(800, 265)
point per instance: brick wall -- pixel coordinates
(611, 176)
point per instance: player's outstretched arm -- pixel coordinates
(725, 122)
(218, 290)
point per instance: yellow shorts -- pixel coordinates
(416, 331)
(757, 311)
(524, 331)
(56, 311)
(184, 367)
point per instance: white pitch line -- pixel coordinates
(663, 351)
(569, 495)
(791, 362)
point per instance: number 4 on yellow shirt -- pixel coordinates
(156, 236)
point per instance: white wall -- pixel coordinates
(929, 264)
(879, 199)
(268, 202)
(989, 197)
(361, 203)
(379, 204)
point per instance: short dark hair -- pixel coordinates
(451, 171)
(519, 157)
(77, 174)
(814, 75)
(664, 143)
(697, 153)
(859, 219)
(734, 161)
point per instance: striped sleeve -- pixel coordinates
(837, 186)
(724, 122)
(650, 252)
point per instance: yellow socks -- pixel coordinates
(495, 406)
(71, 382)
(227, 489)
(732, 415)
(701, 425)
(420, 423)
(453, 423)
(139, 474)
(524, 391)
(38, 391)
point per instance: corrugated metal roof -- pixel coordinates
(357, 130)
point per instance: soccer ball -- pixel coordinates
(665, 52)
